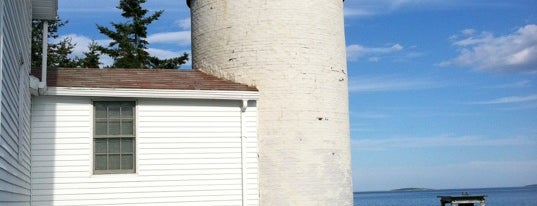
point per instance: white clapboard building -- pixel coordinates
(15, 47)
(116, 136)
(143, 137)
(262, 119)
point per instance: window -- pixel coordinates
(113, 137)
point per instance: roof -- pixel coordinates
(139, 79)
(45, 9)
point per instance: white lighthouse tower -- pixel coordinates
(293, 51)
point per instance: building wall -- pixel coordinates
(15, 33)
(188, 153)
(294, 53)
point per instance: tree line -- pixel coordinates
(127, 46)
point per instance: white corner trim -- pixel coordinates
(152, 93)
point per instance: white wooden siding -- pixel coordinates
(15, 102)
(188, 152)
(251, 157)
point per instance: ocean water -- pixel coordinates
(512, 196)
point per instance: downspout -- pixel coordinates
(244, 152)
(44, 56)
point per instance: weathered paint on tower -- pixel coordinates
(294, 53)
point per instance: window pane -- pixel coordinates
(113, 110)
(126, 146)
(127, 127)
(114, 142)
(100, 146)
(113, 145)
(100, 162)
(100, 127)
(100, 110)
(127, 162)
(113, 163)
(126, 110)
(113, 127)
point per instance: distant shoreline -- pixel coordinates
(417, 189)
(411, 189)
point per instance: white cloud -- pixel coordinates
(374, 59)
(392, 168)
(438, 141)
(184, 23)
(395, 4)
(370, 115)
(513, 52)
(100, 6)
(358, 12)
(179, 37)
(468, 31)
(355, 51)
(382, 84)
(166, 54)
(105, 60)
(414, 55)
(514, 85)
(82, 42)
(471, 39)
(373, 7)
(361, 8)
(162, 53)
(510, 100)
(465, 174)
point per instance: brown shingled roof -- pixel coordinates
(139, 79)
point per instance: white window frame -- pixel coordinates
(96, 137)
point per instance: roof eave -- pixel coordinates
(152, 93)
(45, 9)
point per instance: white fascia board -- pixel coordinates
(152, 93)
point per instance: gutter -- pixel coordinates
(37, 86)
(244, 153)
(151, 93)
(44, 53)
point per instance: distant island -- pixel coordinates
(411, 189)
(534, 185)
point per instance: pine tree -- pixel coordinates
(129, 44)
(58, 53)
(91, 58)
(172, 63)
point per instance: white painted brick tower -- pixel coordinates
(293, 51)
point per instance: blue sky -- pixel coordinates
(443, 93)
